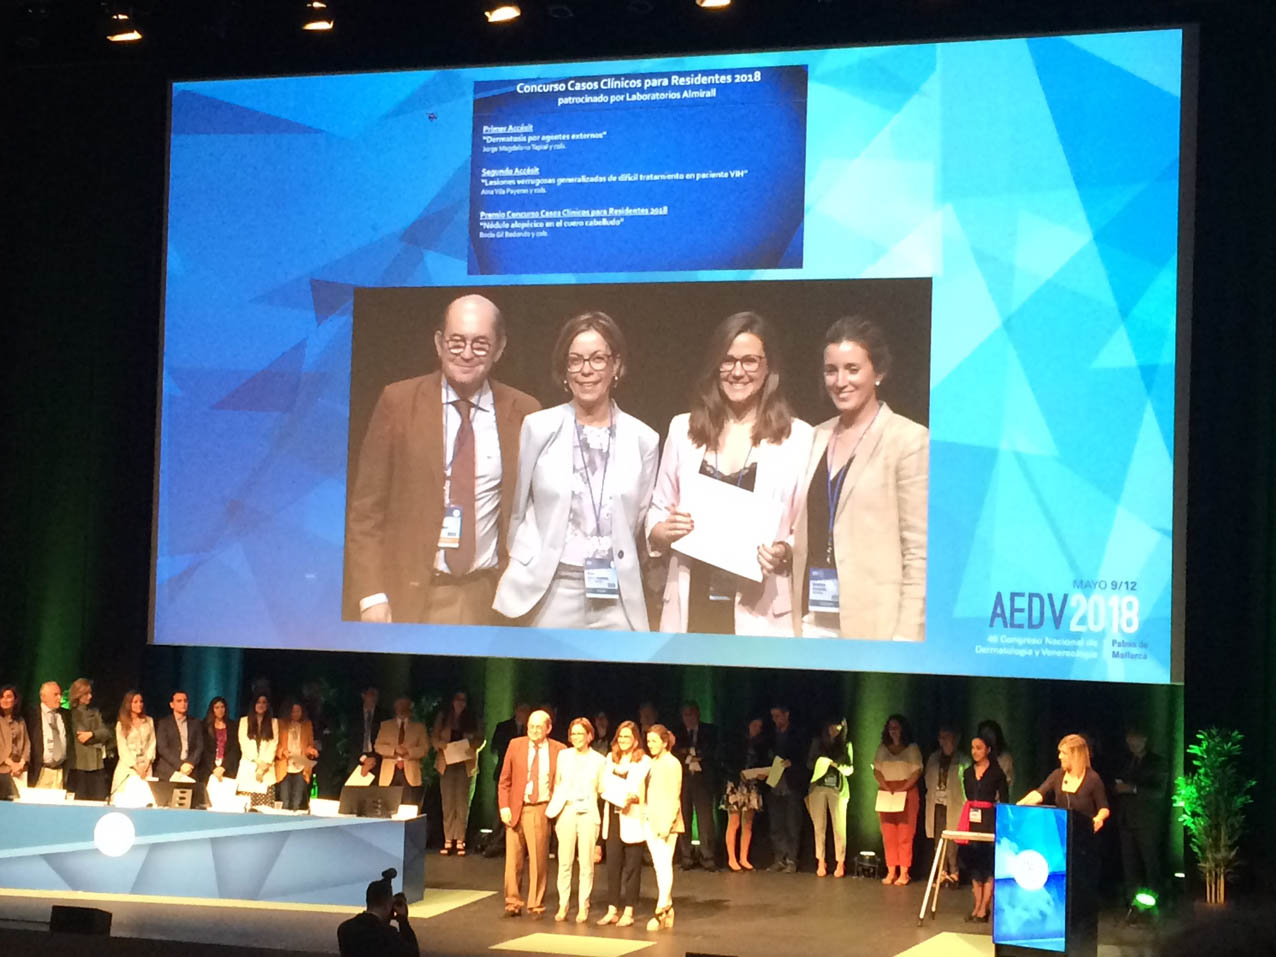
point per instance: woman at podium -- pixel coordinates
(1073, 784)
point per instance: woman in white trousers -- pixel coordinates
(574, 807)
(664, 818)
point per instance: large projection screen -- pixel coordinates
(1013, 213)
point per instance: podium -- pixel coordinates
(1045, 870)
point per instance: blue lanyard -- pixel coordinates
(596, 504)
(835, 493)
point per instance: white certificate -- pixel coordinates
(755, 774)
(731, 523)
(616, 790)
(457, 751)
(775, 773)
(891, 801)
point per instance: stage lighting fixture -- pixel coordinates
(502, 12)
(640, 8)
(120, 27)
(560, 11)
(713, 4)
(1145, 899)
(316, 16)
(114, 834)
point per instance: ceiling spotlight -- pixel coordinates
(120, 27)
(316, 17)
(713, 4)
(502, 12)
(560, 11)
(640, 8)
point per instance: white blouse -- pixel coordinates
(632, 815)
(897, 767)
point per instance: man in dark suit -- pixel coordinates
(696, 746)
(506, 731)
(784, 804)
(524, 789)
(1141, 809)
(179, 741)
(370, 935)
(364, 724)
(52, 750)
(437, 468)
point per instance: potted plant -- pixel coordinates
(1212, 801)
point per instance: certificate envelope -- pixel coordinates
(457, 751)
(891, 801)
(731, 523)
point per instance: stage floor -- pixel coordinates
(722, 913)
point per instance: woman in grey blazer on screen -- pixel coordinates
(586, 471)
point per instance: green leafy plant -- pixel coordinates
(1211, 802)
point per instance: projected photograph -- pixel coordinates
(1006, 214)
(579, 520)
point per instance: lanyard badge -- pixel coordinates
(602, 583)
(601, 580)
(450, 534)
(823, 591)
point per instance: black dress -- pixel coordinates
(1087, 799)
(706, 614)
(992, 787)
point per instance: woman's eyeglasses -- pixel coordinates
(749, 364)
(598, 361)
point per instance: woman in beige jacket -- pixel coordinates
(859, 544)
(664, 818)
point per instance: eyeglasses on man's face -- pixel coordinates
(479, 346)
(749, 364)
(598, 361)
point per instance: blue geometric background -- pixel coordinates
(1035, 180)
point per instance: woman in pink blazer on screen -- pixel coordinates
(740, 431)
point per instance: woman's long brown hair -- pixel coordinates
(709, 408)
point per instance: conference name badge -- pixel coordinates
(976, 815)
(601, 580)
(721, 585)
(822, 591)
(450, 535)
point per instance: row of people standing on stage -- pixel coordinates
(259, 758)
(545, 515)
(629, 800)
(75, 745)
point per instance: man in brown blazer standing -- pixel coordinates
(401, 743)
(430, 503)
(523, 791)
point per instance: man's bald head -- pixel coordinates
(538, 725)
(469, 342)
(475, 305)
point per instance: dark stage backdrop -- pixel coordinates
(84, 213)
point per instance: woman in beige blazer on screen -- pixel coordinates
(869, 468)
(740, 431)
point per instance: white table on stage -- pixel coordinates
(932, 886)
